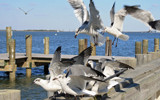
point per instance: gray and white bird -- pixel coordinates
(90, 24)
(144, 16)
(25, 12)
(117, 24)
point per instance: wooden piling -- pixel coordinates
(138, 49)
(110, 48)
(145, 47)
(12, 74)
(29, 55)
(81, 45)
(93, 49)
(107, 47)
(8, 37)
(156, 45)
(46, 51)
(86, 43)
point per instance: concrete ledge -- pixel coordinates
(10, 94)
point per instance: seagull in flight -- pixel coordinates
(117, 24)
(25, 12)
(90, 24)
(144, 16)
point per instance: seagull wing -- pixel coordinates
(140, 14)
(54, 65)
(22, 10)
(95, 20)
(29, 10)
(80, 10)
(119, 18)
(112, 12)
(82, 58)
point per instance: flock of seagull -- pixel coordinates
(80, 76)
(91, 22)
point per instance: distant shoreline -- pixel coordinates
(74, 31)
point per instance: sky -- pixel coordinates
(59, 15)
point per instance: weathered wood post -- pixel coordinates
(29, 55)
(145, 47)
(107, 46)
(110, 48)
(93, 49)
(8, 37)
(81, 45)
(138, 49)
(156, 45)
(46, 51)
(138, 52)
(12, 74)
(86, 43)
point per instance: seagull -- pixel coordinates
(49, 85)
(25, 12)
(117, 26)
(142, 15)
(89, 24)
(58, 67)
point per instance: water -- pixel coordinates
(30, 91)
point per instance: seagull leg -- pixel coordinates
(116, 42)
(113, 40)
(95, 40)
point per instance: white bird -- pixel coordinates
(74, 85)
(25, 12)
(51, 86)
(144, 16)
(89, 24)
(117, 27)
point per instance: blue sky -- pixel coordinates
(58, 14)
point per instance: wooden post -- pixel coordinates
(8, 37)
(145, 47)
(46, 51)
(110, 48)
(12, 75)
(29, 55)
(86, 43)
(81, 45)
(138, 48)
(93, 49)
(107, 47)
(156, 45)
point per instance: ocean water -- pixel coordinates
(30, 91)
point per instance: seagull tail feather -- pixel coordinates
(101, 40)
(123, 37)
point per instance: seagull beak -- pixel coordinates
(75, 36)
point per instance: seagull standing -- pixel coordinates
(90, 24)
(117, 27)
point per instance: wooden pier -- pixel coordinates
(145, 76)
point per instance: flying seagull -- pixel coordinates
(89, 24)
(25, 12)
(117, 26)
(145, 16)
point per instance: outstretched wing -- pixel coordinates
(95, 20)
(112, 12)
(80, 10)
(22, 10)
(119, 18)
(140, 14)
